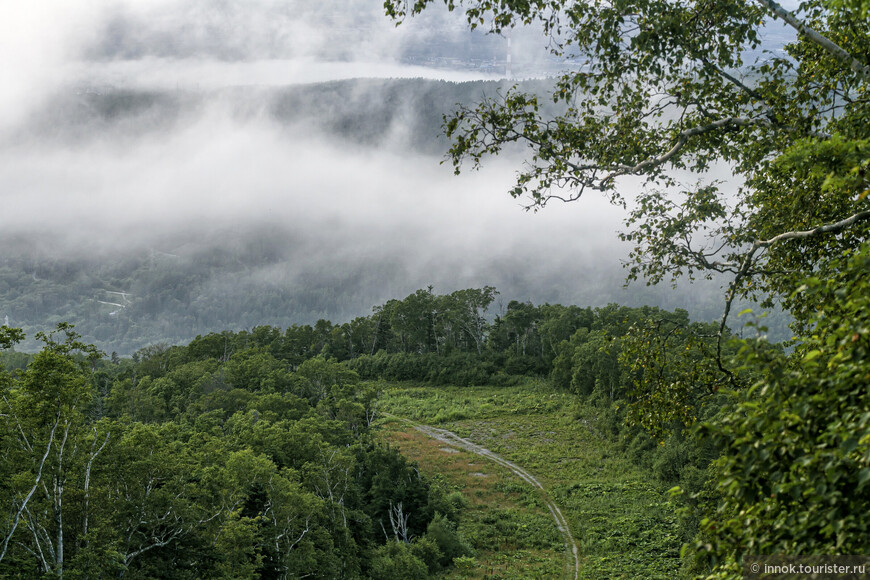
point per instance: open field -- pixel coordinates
(622, 521)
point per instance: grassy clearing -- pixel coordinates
(621, 519)
(510, 529)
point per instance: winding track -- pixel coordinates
(572, 563)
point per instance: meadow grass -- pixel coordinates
(512, 532)
(619, 515)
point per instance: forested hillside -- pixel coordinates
(231, 280)
(215, 460)
(251, 453)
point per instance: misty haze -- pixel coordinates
(195, 160)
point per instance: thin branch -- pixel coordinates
(761, 101)
(835, 227)
(730, 295)
(156, 542)
(735, 81)
(299, 539)
(31, 526)
(88, 477)
(18, 424)
(682, 139)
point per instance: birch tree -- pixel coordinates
(659, 89)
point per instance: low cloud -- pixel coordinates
(118, 136)
(215, 172)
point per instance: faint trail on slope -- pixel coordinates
(572, 565)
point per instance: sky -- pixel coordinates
(213, 169)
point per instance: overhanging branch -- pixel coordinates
(746, 268)
(835, 50)
(682, 139)
(832, 228)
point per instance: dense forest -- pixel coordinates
(213, 460)
(260, 456)
(260, 460)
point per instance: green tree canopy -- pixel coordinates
(794, 476)
(658, 89)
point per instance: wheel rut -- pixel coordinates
(572, 563)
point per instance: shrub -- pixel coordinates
(451, 544)
(396, 561)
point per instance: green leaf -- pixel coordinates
(812, 355)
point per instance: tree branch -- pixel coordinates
(832, 228)
(746, 268)
(682, 139)
(26, 443)
(835, 50)
(32, 490)
(88, 477)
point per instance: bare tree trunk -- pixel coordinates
(59, 482)
(399, 523)
(88, 479)
(26, 499)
